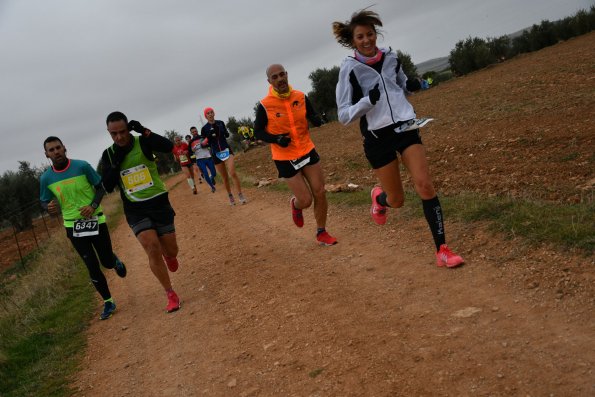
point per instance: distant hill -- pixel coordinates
(439, 64)
(433, 65)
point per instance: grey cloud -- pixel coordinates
(66, 63)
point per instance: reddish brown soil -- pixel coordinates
(267, 312)
(26, 241)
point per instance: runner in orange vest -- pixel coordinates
(282, 120)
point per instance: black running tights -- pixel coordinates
(92, 247)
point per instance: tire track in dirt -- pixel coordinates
(268, 312)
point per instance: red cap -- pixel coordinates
(207, 110)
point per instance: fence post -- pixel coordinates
(34, 235)
(16, 238)
(45, 224)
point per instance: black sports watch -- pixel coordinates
(94, 205)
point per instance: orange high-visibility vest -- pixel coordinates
(288, 116)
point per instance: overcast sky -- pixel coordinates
(64, 65)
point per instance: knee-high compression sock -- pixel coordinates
(433, 213)
(381, 199)
(190, 182)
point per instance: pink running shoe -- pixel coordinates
(171, 262)
(326, 239)
(377, 211)
(173, 302)
(296, 214)
(445, 257)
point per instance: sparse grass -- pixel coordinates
(359, 197)
(46, 306)
(566, 225)
(313, 374)
(279, 187)
(570, 157)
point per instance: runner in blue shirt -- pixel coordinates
(74, 187)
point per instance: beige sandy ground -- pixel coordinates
(267, 312)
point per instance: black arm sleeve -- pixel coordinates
(203, 133)
(312, 115)
(413, 85)
(99, 193)
(260, 124)
(225, 132)
(109, 172)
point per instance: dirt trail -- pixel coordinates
(267, 312)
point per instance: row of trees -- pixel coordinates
(475, 53)
(20, 191)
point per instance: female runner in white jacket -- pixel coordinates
(372, 88)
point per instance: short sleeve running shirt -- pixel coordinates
(181, 153)
(199, 151)
(73, 187)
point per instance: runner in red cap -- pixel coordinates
(222, 154)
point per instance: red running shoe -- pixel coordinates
(171, 262)
(173, 302)
(445, 257)
(326, 239)
(377, 211)
(296, 214)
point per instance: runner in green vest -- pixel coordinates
(74, 187)
(129, 163)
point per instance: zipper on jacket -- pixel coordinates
(385, 92)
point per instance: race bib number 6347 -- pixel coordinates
(85, 227)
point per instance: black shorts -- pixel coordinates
(160, 219)
(286, 169)
(382, 149)
(216, 159)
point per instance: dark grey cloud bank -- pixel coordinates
(66, 64)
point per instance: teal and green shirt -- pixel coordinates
(73, 187)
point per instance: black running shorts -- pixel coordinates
(159, 219)
(382, 149)
(287, 170)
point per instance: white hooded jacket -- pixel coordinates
(356, 79)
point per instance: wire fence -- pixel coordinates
(23, 231)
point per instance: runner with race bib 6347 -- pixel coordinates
(74, 188)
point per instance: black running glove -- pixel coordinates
(134, 125)
(374, 95)
(283, 140)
